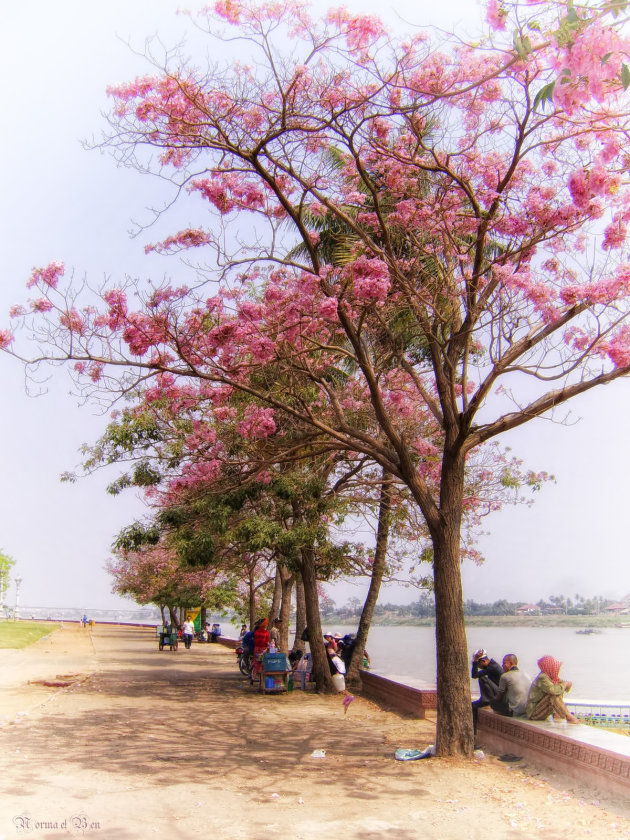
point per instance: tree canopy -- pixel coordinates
(482, 197)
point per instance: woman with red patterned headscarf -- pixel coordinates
(547, 692)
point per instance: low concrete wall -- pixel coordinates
(589, 755)
(397, 696)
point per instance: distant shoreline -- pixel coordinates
(577, 621)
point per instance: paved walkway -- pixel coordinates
(54, 658)
(147, 744)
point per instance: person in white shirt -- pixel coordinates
(188, 632)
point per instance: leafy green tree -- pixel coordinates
(6, 564)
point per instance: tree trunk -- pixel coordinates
(321, 669)
(276, 601)
(252, 600)
(353, 677)
(285, 607)
(203, 617)
(454, 715)
(300, 615)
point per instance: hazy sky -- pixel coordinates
(62, 202)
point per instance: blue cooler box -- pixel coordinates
(275, 662)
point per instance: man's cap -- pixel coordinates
(480, 654)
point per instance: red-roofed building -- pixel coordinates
(528, 609)
(618, 609)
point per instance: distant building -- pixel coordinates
(618, 609)
(528, 609)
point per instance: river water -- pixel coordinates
(598, 665)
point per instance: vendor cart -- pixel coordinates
(274, 677)
(167, 637)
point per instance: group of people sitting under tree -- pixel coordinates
(510, 691)
(342, 647)
(259, 640)
(263, 638)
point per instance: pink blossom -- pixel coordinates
(371, 279)
(223, 414)
(49, 275)
(95, 371)
(166, 294)
(258, 423)
(496, 15)
(228, 190)
(328, 308)
(6, 338)
(117, 302)
(17, 311)
(615, 234)
(618, 348)
(580, 189)
(214, 304)
(41, 305)
(425, 448)
(610, 150)
(230, 10)
(220, 395)
(189, 238)
(361, 31)
(139, 333)
(262, 349)
(72, 321)
(251, 310)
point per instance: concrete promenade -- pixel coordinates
(140, 744)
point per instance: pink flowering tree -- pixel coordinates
(152, 574)
(259, 507)
(485, 282)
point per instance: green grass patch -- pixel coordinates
(21, 634)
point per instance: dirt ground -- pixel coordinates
(136, 743)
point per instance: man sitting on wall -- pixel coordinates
(514, 688)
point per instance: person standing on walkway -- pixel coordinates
(274, 633)
(547, 692)
(188, 632)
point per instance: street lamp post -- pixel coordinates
(18, 583)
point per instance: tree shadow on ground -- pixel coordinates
(194, 715)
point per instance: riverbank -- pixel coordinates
(140, 743)
(577, 621)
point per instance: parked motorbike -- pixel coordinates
(245, 660)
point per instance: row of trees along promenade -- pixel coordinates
(406, 247)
